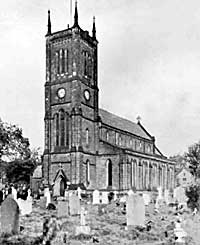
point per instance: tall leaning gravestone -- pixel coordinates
(135, 214)
(9, 216)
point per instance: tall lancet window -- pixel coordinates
(87, 136)
(57, 129)
(67, 130)
(62, 128)
(66, 60)
(85, 63)
(109, 172)
(88, 172)
(63, 61)
(57, 62)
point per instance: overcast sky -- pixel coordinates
(149, 63)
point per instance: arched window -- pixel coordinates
(116, 138)
(66, 60)
(63, 61)
(109, 172)
(57, 129)
(87, 136)
(57, 62)
(85, 63)
(120, 140)
(87, 172)
(132, 174)
(62, 128)
(67, 130)
(107, 135)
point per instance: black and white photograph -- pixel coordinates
(100, 122)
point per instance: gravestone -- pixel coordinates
(42, 202)
(25, 206)
(123, 199)
(104, 197)
(83, 228)
(56, 188)
(79, 191)
(47, 194)
(146, 198)
(160, 193)
(115, 196)
(135, 210)
(14, 193)
(74, 204)
(62, 209)
(179, 233)
(95, 197)
(9, 216)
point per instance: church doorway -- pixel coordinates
(62, 187)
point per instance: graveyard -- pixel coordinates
(124, 220)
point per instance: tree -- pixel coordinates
(16, 158)
(193, 158)
(12, 143)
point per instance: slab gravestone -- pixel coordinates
(95, 197)
(79, 191)
(62, 208)
(104, 197)
(83, 228)
(14, 193)
(42, 202)
(146, 198)
(47, 194)
(9, 216)
(74, 204)
(135, 214)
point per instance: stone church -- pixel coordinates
(85, 144)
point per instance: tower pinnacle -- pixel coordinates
(94, 29)
(49, 23)
(76, 15)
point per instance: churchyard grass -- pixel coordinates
(108, 228)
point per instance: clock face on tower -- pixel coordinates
(61, 93)
(87, 95)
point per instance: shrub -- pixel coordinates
(193, 194)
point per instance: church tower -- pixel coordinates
(71, 104)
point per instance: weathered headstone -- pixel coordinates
(9, 216)
(56, 188)
(160, 192)
(104, 197)
(83, 228)
(47, 194)
(14, 193)
(42, 202)
(179, 233)
(146, 198)
(79, 191)
(74, 204)
(123, 199)
(95, 197)
(135, 210)
(25, 206)
(62, 209)
(115, 196)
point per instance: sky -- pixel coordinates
(149, 63)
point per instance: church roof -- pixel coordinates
(123, 124)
